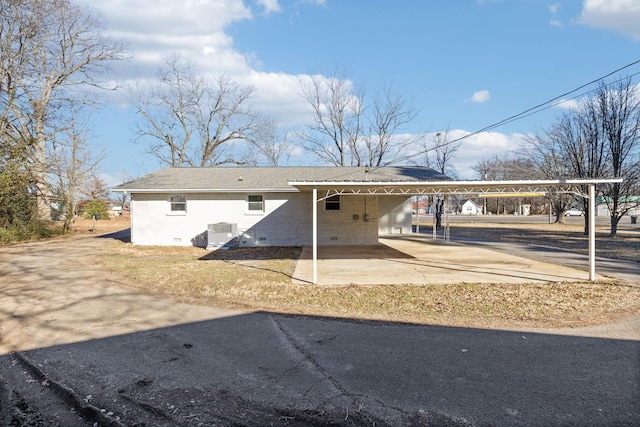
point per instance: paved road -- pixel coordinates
(624, 224)
(133, 358)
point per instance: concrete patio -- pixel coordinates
(421, 260)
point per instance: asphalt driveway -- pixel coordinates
(78, 347)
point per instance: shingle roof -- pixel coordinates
(229, 179)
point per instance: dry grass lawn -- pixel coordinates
(260, 279)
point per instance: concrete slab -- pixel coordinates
(421, 260)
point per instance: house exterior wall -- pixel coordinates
(285, 221)
(395, 215)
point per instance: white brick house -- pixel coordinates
(176, 206)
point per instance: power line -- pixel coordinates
(555, 104)
(538, 107)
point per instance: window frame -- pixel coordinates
(177, 204)
(335, 202)
(254, 211)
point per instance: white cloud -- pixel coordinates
(315, 2)
(278, 95)
(481, 146)
(196, 29)
(555, 9)
(480, 97)
(621, 16)
(270, 5)
(567, 104)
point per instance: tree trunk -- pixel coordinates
(614, 226)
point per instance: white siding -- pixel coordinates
(470, 208)
(286, 220)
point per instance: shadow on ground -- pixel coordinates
(271, 369)
(122, 235)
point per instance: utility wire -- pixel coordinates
(538, 107)
(555, 104)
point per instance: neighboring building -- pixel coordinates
(256, 206)
(632, 203)
(469, 207)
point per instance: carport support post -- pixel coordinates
(315, 235)
(592, 231)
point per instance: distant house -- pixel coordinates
(258, 206)
(469, 207)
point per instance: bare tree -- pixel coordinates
(619, 107)
(346, 128)
(383, 141)
(572, 148)
(73, 166)
(272, 145)
(437, 152)
(601, 137)
(54, 48)
(335, 125)
(193, 120)
(550, 163)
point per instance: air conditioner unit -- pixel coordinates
(221, 235)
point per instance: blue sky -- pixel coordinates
(465, 64)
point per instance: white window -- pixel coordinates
(332, 203)
(178, 204)
(255, 203)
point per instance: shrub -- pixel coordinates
(96, 207)
(27, 231)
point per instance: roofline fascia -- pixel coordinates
(205, 190)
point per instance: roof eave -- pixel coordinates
(205, 190)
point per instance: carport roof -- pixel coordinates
(444, 187)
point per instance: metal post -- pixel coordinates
(592, 232)
(446, 218)
(418, 215)
(315, 236)
(435, 217)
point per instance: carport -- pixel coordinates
(321, 190)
